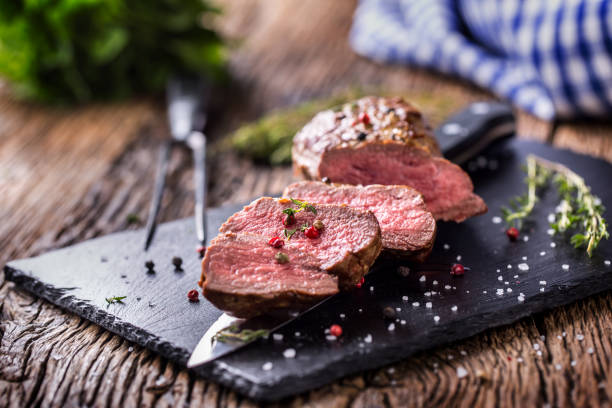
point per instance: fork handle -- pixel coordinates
(197, 143)
(158, 192)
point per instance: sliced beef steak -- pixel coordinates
(384, 141)
(243, 277)
(408, 228)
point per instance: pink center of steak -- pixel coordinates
(246, 265)
(448, 190)
(401, 212)
(345, 230)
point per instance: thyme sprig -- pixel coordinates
(578, 209)
(302, 205)
(114, 299)
(234, 334)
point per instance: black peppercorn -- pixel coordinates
(150, 265)
(326, 180)
(389, 313)
(177, 262)
(361, 136)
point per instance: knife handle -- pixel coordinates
(197, 143)
(468, 132)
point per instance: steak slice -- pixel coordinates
(394, 147)
(241, 273)
(408, 228)
(243, 278)
(347, 246)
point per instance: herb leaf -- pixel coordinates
(289, 233)
(304, 227)
(114, 299)
(233, 334)
(304, 205)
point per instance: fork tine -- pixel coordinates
(158, 192)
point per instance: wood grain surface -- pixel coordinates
(68, 175)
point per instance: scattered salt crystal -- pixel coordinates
(461, 372)
(509, 290)
(391, 327)
(551, 217)
(526, 238)
(565, 267)
(536, 346)
(277, 337)
(436, 365)
(415, 304)
(552, 245)
(405, 298)
(289, 353)
(543, 283)
(523, 267)
(519, 359)
(342, 316)
(297, 334)
(454, 288)
(433, 292)
(458, 257)
(130, 349)
(329, 337)
(539, 353)
(558, 367)
(267, 366)
(467, 291)
(498, 270)
(509, 266)
(422, 278)
(446, 247)
(402, 322)
(515, 276)
(435, 282)
(580, 337)
(484, 292)
(496, 220)
(436, 319)
(499, 292)
(543, 338)
(360, 310)
(541, 289)
(506, 283)
(550, 232)
(564, 334)
(542, 253)
(428, 305)
(454, 308)
(368, 338)
(601, 385)
(521, 298)
(398, 309)
(449, 357)
(607, 262)
(428, 294)
(559, 337)
(447, 287)
(573, 363)
(590, 350)
(500, 278)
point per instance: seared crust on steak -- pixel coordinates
(408, 228)
(394, 147)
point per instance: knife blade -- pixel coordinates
(461, 137)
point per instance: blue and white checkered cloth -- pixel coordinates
(552, 58)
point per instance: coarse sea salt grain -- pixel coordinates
(539, 353)
(428, 305)
(461, 372)
(506, 283)
(526, 238)
(330, 337)
(542, 282)
(342, 316)
(447, 287)
(368, 338)
(509, 290)
(405, 298)
(498, 270)
(499, 292)
(458, 257)
(536, 346)
(509, 266)
(524, 258)
(521, 298)
(565, 267)
(496, 220)
(402, 322)
(371, 288)
(391, 327)
(552, 245)
(484, 292)
(428, 294)
(289, 353)
(435, 282)
(573, 363)
(500, 278)
(415, 304)
(436, 319)
(422, 278)
(590, 350)
(454, 308)
(607, 262)
(558, 367)
(398, 309)
(551, 217)
(550, 232)
(446, 247)
(541, 289)
(277, 337)
(542, 253)
(580, 337)
(520, 359)
(515, 276)
(267, 366)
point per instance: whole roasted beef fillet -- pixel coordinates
(408, 228)
(379, 140)
(243, 274)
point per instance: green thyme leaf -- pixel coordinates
(304, 227)
(233, 334)
(114, 299)
(289, 233)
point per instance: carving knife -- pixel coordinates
(462, 137)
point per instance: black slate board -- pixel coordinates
(157, 315)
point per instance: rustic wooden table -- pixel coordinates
(68, 175)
